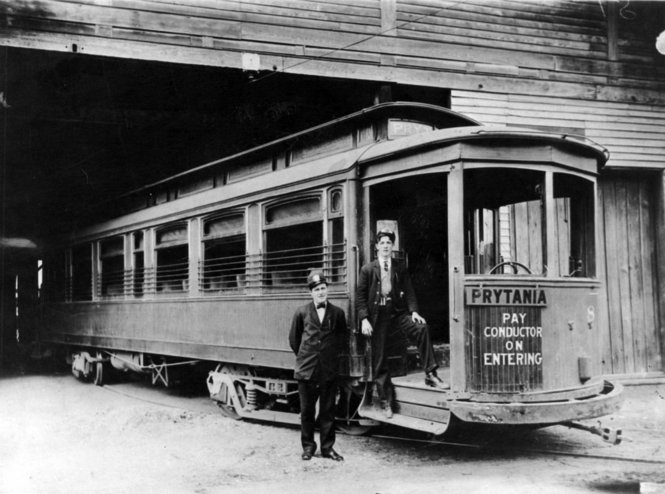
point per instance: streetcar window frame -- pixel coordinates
(504, 221)
(111, 267)
(225, 272)
(81, 273)
(289, 222)
(138, 268)
(574, 199)
(173, 241)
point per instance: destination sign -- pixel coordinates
(506, 296)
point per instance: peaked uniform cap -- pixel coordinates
(315, 279)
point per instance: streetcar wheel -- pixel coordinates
(228, 410)
(348, 400)
(99, 377)
(223, 397)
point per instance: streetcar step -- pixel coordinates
(429, 426)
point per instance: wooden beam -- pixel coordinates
(612, 30)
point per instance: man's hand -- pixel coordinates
(417, 318)
(366, 327)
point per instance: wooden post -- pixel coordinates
(551, 246)
(194, 256)
(660, 259)
(612, 30)
(456, 277)
(388, 31)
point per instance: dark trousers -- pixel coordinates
(389, 336)
(309, 392)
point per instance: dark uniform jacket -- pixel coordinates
(317, 345)
(369, 291)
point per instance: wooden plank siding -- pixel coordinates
(557, 48)
(633, 133)
(632, 339)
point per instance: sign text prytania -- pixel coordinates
(506, 296)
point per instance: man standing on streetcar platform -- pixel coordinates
(385, 304)
(318, 335)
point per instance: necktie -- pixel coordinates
(386, 285)
(321, 305)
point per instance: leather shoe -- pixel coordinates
(306, 455)
(431, 379)
(333, 455)
(387, 409)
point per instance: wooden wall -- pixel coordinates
(577, 49)
(633, 133)
(633, 341)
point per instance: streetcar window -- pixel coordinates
(53, 282)
(402, 128)
(80, 280)
(193, 186)
(112, 267)
(224, 253)
(172, 259)
(320, 146)
(248, 170)
(504, 222)
(138, 266)
(574, 230)
(336, 263)
(294, 241)
(291, 252)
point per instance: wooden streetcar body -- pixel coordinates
(211, 264)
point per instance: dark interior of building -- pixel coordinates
(78, 131)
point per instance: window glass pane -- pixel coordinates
(402, 128)
(504, 222)
(224, 263)
(172, 234)
(574, 233)
(294, 212)
(54, 282)
(172, 265)
(138, 240)
(336, 204)
(81, 278)
(336, 262)
(138, 271)
(112, 266)
(322, 146)
(248, 170)
(291, 252)
(224, 226)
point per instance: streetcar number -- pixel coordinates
(276, 387)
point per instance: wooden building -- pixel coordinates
(576, 67)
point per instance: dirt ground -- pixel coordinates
(59, 435)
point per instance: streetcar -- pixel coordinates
(496, 224)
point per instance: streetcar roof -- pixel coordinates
(425, 140)
(438, 116)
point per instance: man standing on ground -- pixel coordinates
(318, 334)
(385, 301)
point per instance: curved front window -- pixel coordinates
(506, 214)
